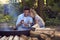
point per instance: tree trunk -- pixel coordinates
(23, 2)
(40, 8)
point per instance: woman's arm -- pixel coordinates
(36, 20)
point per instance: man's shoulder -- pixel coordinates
(21, 15)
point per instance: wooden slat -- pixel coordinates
(3, 38)
(6, 38)
(23, 37)
(16, 38)
(29, 38)
(10, 38)
(8, 33)
(34, 38)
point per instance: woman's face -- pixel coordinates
(32, 14)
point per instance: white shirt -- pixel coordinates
(40, 21)
(27, 20)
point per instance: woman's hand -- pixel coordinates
(36, 21)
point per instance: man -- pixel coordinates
(24, 20)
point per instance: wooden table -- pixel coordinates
(8, 33)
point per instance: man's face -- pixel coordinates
(26, 12)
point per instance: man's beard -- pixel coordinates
(26, 15)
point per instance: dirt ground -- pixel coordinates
(57, 34)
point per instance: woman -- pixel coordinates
(36, 18)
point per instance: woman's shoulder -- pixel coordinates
(36, 17)
(40, 19)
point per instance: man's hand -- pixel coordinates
(26, 24)
(22, 21)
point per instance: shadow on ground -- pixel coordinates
(56, 38)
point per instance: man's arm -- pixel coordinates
(18, 24)
(19, 21)
(30, 21)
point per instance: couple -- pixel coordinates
(27, 19)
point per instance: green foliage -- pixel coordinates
(30, 3)
(53, 22)
(6, 18)
(54, 4)
(1, 8)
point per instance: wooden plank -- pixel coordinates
(10, 38)
(8, 33)
(16, 38)
(23, 37)
(3, 38)
(6, 38)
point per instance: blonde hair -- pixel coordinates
(35, 14)
(33, 11)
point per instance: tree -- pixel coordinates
(40, 8)
(30, 3)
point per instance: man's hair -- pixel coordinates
(26, 8)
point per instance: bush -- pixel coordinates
(6, 18)
(53, 22)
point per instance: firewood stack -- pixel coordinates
(44, 33)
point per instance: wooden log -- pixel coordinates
(43, 30)
(45, 33)
(45, 37)
(34, 38)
